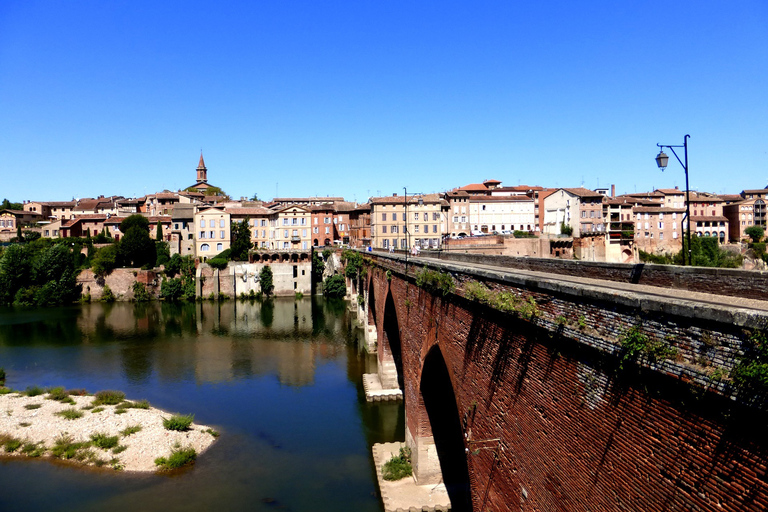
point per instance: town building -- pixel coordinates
(401, 222)
(579, 208)
(212, 232)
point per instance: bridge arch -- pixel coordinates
(440, 449)
(390, 350)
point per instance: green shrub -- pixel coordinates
(33, 449)
(635, 343)
(219, 263)
(178, 422)
(140, 293)
(32, 407)
(108, 397)
(103, 441)
(399, 466)
(119, 449)
(214, 433)
(2, 375)
(523, 234)
(129, 430)
(179, 457)
(12, 445)
(60, 395)
(97, 409)
(107, 295)
(751, 372)
(65, 448)
(435, 281)
(34, 391)
(70, 414)
(298, 296)
(335, 286)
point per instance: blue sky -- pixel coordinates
(362, 98)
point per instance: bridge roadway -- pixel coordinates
(652, 292)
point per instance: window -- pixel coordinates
(176, 226)
(202, 234)
(221, 223)
(315, 220)
(202, 223)
(434, 216)
(327, 230)
(434, 228)
(395, 229)
(295, 232)
(219, 247)
(303, 221)
(383, 217)
(455, 219)
(315, 230)
(426, 216)
(285, 233)
(416, 228)
(394, 216)
(304, 233)
(212, 223)
(285, 221)
(221, 234)
(205, 247)
(383, 229)
(416, 216)
(661, 216)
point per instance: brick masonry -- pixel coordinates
(576, 431)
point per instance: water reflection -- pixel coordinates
(282, 380)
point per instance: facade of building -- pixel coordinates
(292, 230)
(212, 232)
(579, 208)
(401, 223)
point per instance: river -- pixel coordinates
(281, 381)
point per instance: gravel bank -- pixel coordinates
(21, 418)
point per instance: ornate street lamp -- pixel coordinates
(661, 160)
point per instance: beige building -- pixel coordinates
(579, 208)
(212, 232)
(292, 228)
(400, 223)
(261, 221)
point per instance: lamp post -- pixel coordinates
(661, 160)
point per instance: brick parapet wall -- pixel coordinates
(734, 282)
(576, 432)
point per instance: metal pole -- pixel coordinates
(405, 226)
(687, 199)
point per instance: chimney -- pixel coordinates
(613, 190)
(394, 195)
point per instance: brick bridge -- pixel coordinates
(539, 407)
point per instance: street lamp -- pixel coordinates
(661, 160)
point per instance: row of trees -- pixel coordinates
(40, 273)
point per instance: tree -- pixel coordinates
(755, 233)
(105, 260)
(265, 279)
(335, 286)
(241, 241)
(7, 205)
(14, 272)
(163, 252)
(159, 232)
(136, 249)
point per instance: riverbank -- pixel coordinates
(126, 436)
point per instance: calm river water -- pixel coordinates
(282, 382)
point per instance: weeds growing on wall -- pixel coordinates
(503, 301)
(635, 343)
(751, 372)
(436, 282)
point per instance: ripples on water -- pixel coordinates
(282, 381)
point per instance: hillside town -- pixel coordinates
(487, 217)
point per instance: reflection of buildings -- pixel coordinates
(212, 342)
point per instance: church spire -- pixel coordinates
(202, 171)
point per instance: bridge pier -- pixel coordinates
(426, 464)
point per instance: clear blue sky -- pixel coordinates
(360, 98)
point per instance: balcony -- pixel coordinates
(295, 239)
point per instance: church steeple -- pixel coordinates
(202, 171)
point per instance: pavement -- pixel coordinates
(655, 292)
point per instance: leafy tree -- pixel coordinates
(163, 251)
(104, 260)
(755, 233)
(706, 252)
(14, 272)
(318, 267)
(30, 236)
(335, 286)
(140, 293)
(266, 280)
(136, 249)
(7, 205)
(241, 241)
(217, 262)
(159, 232)
(172, 289)
(566, 229)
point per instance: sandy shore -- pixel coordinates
(42, 425)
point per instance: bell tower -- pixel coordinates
(202, 171)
